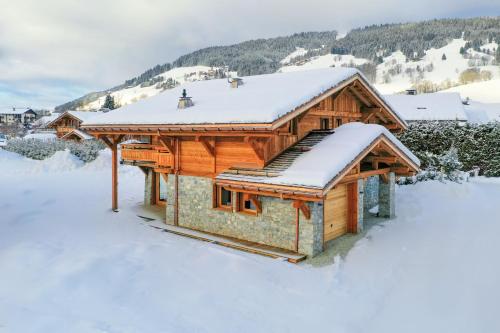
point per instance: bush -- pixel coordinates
(476, 145)
(86, 151)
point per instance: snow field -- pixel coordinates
(71, 265)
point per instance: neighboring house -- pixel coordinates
(482, 113)
(15, 115)
(429, 107)
(67, 124)
(288, 160)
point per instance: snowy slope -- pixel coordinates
(443, 70)
(133, 94)
(397, 73)
(404, 75)
(486, 91)
(324, 61)
(69, 264)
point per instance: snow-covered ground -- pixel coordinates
(68, 264)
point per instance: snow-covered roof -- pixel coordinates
(83, 116)
(261, 99)
(79, 133)
(327, 159)
(435, 106)
(482, 113)
(15, 110)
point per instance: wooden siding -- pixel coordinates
(335, 222)
(232, 152)
(194, 158)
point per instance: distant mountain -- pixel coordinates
(373, 49)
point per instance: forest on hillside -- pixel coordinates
(373, 42)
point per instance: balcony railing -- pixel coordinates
(147, 155)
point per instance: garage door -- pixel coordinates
(336, 215)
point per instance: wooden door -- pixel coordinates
(336, 214)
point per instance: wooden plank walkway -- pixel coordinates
(234, 243)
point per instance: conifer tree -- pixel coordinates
(109, 102)
(443, 57)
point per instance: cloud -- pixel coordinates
(63, 47)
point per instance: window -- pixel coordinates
(223, 198)
(293, 126)
(248, 204)
(324, 123)
(338, 122)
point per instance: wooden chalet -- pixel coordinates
(67, 125)
(282, 159)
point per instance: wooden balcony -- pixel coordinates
(141, 154)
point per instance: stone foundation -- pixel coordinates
(275, 226)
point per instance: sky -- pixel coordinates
(53, 51)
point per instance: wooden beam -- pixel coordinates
(208, 147)
(370, 112)
(359, 96)
(258, 205)
(364, 174)
(257, 147)
(385, 178)
(167, 143)
(303, 208)
(383, 159)
(106, 141)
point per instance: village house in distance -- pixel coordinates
(67, 125)
(287, 160)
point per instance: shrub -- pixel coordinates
(476, 145)
(86, 151)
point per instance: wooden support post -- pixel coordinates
(114, 177)
(176, 184)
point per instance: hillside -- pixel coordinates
(429, 56)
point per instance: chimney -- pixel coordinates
(235, 82)
(184, 101)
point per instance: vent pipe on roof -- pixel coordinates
(184, 101)
(235, 82)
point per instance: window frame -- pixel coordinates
(217, 202)
(240, 204)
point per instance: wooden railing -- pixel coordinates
(146, 154)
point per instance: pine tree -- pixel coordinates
(109, 102)
(497, 57)
(443, 57)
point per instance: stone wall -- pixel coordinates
(387, 197)
(148, 187)
(370, 193)
(275, 226)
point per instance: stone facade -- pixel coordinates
(387, 196)
(275, 226)
(370, 198)
(148, 187)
